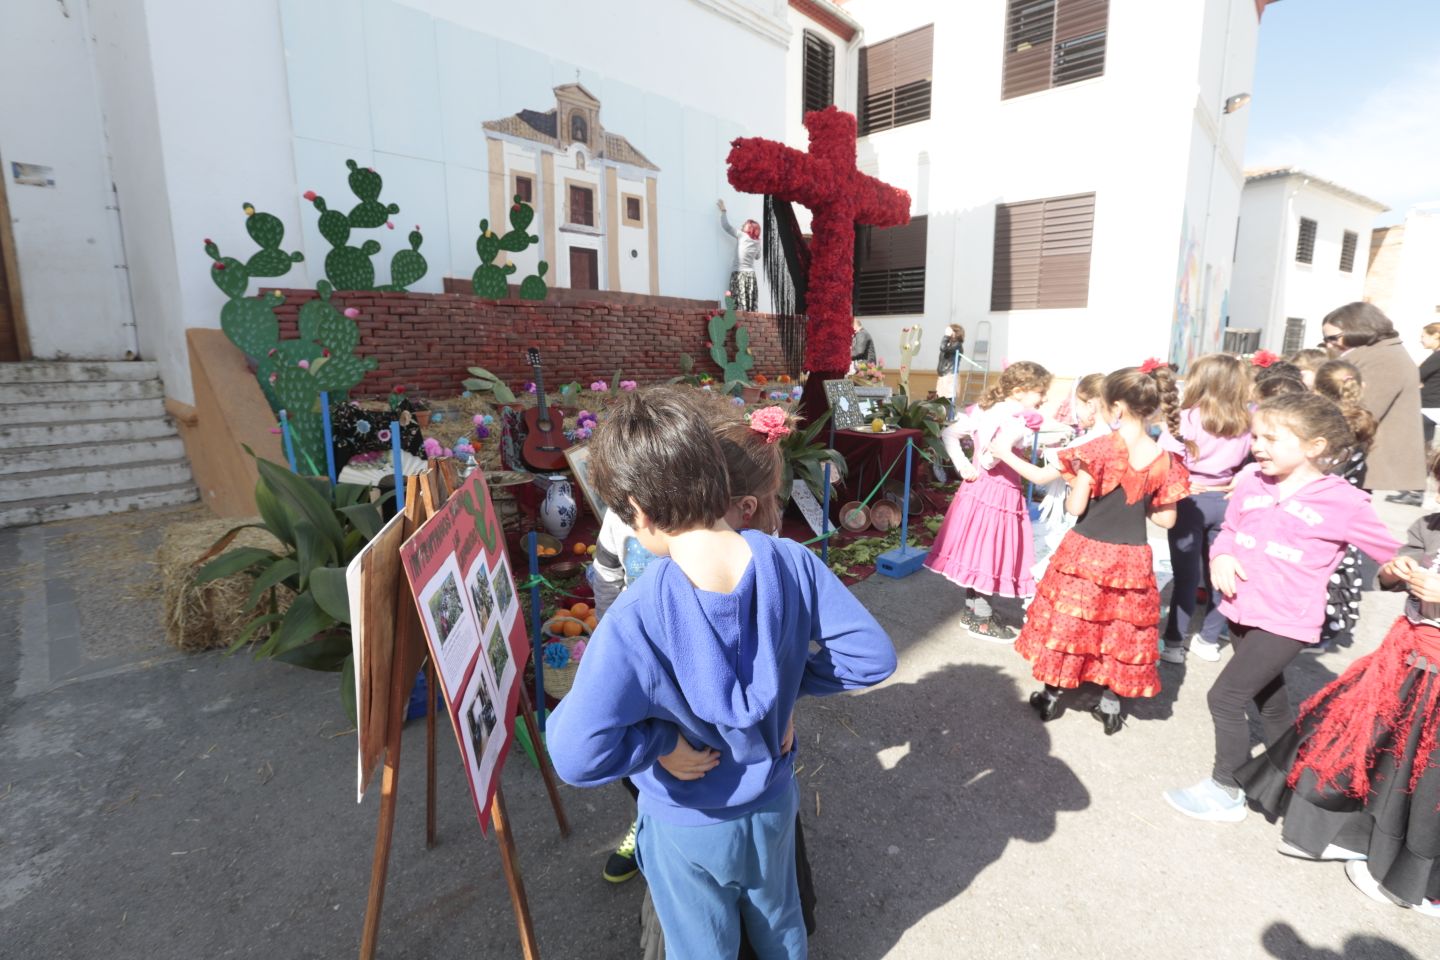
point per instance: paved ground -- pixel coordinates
(165, 806)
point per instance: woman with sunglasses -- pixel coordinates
(1365, 337)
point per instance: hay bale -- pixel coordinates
(208, 616)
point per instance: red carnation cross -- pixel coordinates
(838, 196)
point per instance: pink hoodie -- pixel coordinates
(1289, 548)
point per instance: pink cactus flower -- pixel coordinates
(599, 386)
(628, 385)
(219, 265)
(352, 312)
(274, 377)
(208, 241)
(389, 225)
(304, 364)
(310, 195)
(272, 352)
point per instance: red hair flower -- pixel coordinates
(1151, 365)
(772, 422)
(1264, 358)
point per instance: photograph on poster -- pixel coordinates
(450, 623)
(499, 657)
(504, 590)
(482, 737)
(481, 599)
(579, 459)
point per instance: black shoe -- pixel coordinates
(1046, 706)
(1409, 498)
(1112, 721)
(621, 865)
(993, 630)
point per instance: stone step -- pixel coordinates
(47, 393)
(47, 371)
(71, 411)
(83, 433)
(70, 507)
(18, 460)
(63, 482)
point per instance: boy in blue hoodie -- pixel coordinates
(690, 681)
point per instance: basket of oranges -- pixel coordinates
(570, 627)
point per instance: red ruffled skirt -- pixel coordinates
(1094, 618)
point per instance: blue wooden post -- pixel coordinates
(905, 506)
(904, 559)
(397, 454)
(289, 441)
(329, 436)
(538, 639)
(1030, 507)
(955, 387)
(825, 518)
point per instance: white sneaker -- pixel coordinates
(1360, 875)
(1207, 800)
(1331, 852)
(1205, 650)
(1173, 654)
(1428, 908)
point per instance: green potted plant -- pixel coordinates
(927, 416)
(805, 459)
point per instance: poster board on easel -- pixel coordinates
(579, 459)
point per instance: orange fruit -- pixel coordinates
(580, 610)
(590, 550)
(579, 549)
(590, 622)
(552, 626)
(572, 628)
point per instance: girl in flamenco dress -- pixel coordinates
(1357, 777)
(1096, 612)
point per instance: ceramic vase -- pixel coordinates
(557, 512)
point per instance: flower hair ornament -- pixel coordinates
(771, 422)
(1151, 365)
(1263, 358)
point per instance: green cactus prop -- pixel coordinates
(349, 267)
(720, 326)
(407, 266)
(268, 233)
(489, 280)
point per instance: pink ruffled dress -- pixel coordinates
(985, 542)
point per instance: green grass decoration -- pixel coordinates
(490, 280)
(721, 324)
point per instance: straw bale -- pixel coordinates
(210, 615)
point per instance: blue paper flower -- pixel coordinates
(556, 656)
(437, 417)
(362, 427)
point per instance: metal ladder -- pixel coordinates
(976, 376)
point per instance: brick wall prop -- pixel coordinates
(426, 340)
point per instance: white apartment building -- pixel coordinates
(1402, 279)
(1298, 256)
(1075, 184)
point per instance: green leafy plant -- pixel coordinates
(927, 416)
(719, 329)
(348, 267)
(862, 552)
(805, 459)
(483, 381)
(321, 529)
(491, 280)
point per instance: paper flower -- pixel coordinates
(383, 436)
(271, 352)
(771, 422)
(352, 312)
(577, 651)
(628, 385)
(489, 420)
(432, 447)
(1033, 419)
(599, 386)
(437, 417)
(310, 195)
(477, 420)
(582, 433)
(362, 427)
(389, 225)
(219, 265)
(482, 432)
(529, 386)
(1264, 358)
(398, 388)
(304, 364)
(796, 392)
(274, 377)
(556, 656)
(738, 401)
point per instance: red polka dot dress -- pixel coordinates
(1095, 615)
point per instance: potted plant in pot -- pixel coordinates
(927, 416)
(420, 407)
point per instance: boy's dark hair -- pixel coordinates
(656, 448)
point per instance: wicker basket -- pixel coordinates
(559, 682)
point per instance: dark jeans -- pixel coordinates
(1197, 524)
(1009, 611)
(1256, 673)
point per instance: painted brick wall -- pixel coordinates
(426, 340)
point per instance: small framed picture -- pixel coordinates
(579, 460)
(844, 405)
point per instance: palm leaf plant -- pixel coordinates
(321, 528)
(927, 416)
(805, 458)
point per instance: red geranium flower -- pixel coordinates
(1264, 358)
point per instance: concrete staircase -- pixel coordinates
(84, 438)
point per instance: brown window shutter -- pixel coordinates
(818, 73)
(1042, 253)
(895, 80)
(1347, 251)
(890, 269)
(1080, 18)
(1029, 42)
(1305, 246)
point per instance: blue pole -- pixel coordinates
(825, 518)
(396, 454)
(329, 436)
(1034, 455)
(538, 640)
(289, 441)
(905, 506)
(955, 387)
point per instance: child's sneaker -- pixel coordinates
(993, 630)
(1366, 883)
(1175, 654)
(1208, 800)
(1331, 852)
(1205, 650)
(1428, 908)
(621, 866)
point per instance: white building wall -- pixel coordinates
(1259, 248)
(1415, 295)
(1127, 136)
(67, 238)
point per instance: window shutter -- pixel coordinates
(1294, 335)
(1347, 251)
(890, 269)
(819, 72)
(1042, 253)
(1080, 28)
(895, 80)
(1029, 40)
(1305, 247)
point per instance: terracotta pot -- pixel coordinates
(422, 417)
(752, 394)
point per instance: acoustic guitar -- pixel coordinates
(545, 441)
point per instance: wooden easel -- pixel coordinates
(424, 495)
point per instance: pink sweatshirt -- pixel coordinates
(1216, 459)
(1289, 548)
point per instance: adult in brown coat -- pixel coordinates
(1365, 336)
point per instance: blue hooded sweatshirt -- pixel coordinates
(721, 669)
